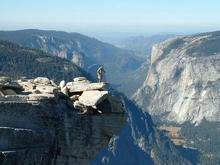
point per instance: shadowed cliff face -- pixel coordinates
(140, 143)
(53, 135)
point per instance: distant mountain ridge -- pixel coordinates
(88, 53)
(142, 45)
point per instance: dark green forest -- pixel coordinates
(17, 61)
(206, 138)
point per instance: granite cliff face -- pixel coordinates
(184, 79)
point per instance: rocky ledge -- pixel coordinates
(42, 123)
(80, 94)
(88, 97)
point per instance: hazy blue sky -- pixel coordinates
(111, 15)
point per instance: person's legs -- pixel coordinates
(99, 78)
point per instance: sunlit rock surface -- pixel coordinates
(90, 97)
(184, 80)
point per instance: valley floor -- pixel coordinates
(204, 138)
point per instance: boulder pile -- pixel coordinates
(9, 87)
(83, 95)
(39, 89)
(27, 90)
(89, 97)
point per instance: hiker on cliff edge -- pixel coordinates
(100, 72)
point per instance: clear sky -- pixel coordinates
(111, 15)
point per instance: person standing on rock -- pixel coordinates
(100, 72)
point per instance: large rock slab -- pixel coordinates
(1, 93)
(28, 85)
(80, 87)
(4, 80)
(13, 99)
(39, 85)
(13, 85)
(9, 92)
(47, 89)
(62, 84)
(9, 87)
(69, 84)
(79, 79)
(92, 98)
(78, 105)
(42, 80)
(40, 97)
(64, 90)
(74, 97)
